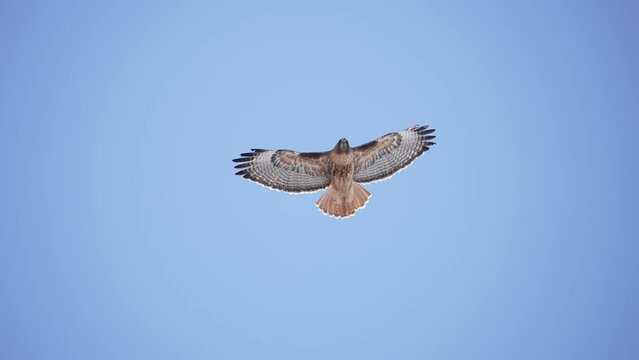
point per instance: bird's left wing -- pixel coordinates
(381, 158)
(285, 170)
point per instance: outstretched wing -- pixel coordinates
(285, 170)
(381, 158)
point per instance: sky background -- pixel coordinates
(125, 234)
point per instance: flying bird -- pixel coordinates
(341, 169)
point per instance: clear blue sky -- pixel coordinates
(125, 234)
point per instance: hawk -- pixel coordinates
(341, 170)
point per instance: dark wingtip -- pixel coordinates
(242, 159)
(431, 137)
(251, 154)
(242, 172)
(243, 165)
(258, 150)
(426, 132)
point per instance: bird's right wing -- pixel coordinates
(285, 170)
(383, 157)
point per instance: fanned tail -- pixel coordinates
(340, 205)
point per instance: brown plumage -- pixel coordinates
(342, 169)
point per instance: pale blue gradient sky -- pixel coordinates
(126, 236)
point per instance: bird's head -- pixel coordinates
(342, 145)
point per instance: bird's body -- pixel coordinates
(341, 170)
(341, 167)
(343, 196)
